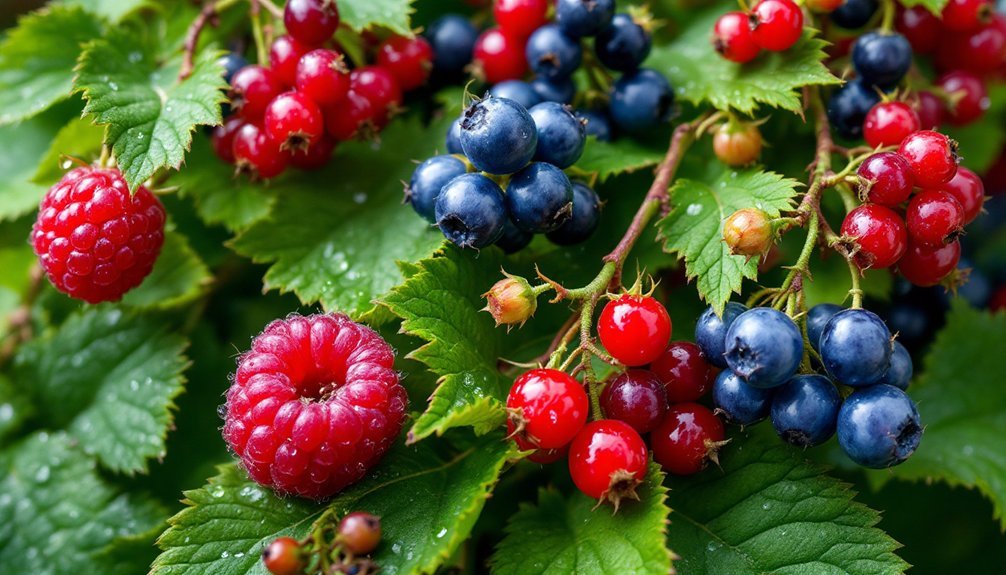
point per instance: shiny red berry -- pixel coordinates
(687, 439)
(294, 121)
(520, 18)
(636, 397)
(315, 156)
(409, 60)
(377, 85)
(980, 52)
(932, 156)
(359, 533)
(323, 77)
(927, 266)
(965, 15)
(888, 123)
(920, 27)
(499, 56)
(886, 178)
(634, 329)
(607, 460)
(283, 557)
(777, 24)
(931, 110)
(285, 54)
(969, 190)
(223, 138)
(683, 370)
(546, 407)
(733, 39)
(546, 456)
(969, 99)
(252, 88)
(349, 117)
(934, 218)
(311, 21)
(257, 155)
(880, 234)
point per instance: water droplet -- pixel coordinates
(968, 450)
(42, 475)
(693, 209)
(766, 506)
(359, 197)
(441, 533)
(6, 412)
(225, 554)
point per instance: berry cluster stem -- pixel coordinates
(206, 16)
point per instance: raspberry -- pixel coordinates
(314, 404)
(94, 241)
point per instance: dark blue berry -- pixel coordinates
(623, 44)
(882, 59)
(539, 198)
(498, 135)
(579, 18)
(640, 101)
(454, 138)
(879, 426)
(517, 90)
(764, 347)
(561, 135)
(470, 211)
(452, 38)
(816, 318)
(899, 373)
(583, 222)
(739, 402)
(848, 106)
(805, 409)
(427, 181)
(559, 90)
(978, 289)
(711, 331)
(232, 62)
(855, 347)
(513, 239)
(598, 124)
(552, 54)
(853, 14)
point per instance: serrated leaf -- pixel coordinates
(56, 513)
(562, 535)
(337, 233)
(178, 277)
(770, 511)
(79, 139)
(149, 115)
(363, 14)
(694, 228)
(112, 10)
(621, 156)
(36, 59)
(440, 303)
(700, 75)
(110, 380)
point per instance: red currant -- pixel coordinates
(359, 532)
(223, 138)
(965, 15)
(733, 39)
(409, 60)
(284, 57)
(778, 24)
(748, 232)
(927, 266)
(880, 234)
(968, 189)
(499, 56)
(378, 86)
(888, 123)
(931, 110)
(980, 52)
(283, 557)
(934, 218)
(886, 179)
(252, 88)
(607, 460)
(687, 439)
(323, 77)
(311, 21)
(257, 155)
(932, 156)
(636, 397)
(683, 370)
(546, 408)
(920, 27)
(294, 121)
(315, 156)
(737, 144)
(969, 97)
(520, 18)
(634, 329)
(345, 121)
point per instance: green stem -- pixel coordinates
(887, 23)
(589, 377)
(257, 33)
(856, 291)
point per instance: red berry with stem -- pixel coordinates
(377, 85)
(932, 157)
(748, 232)
(980, 52)
(733, 39)
(683, 370)
(346, 120)
(311, 22)
(634, 329)
(927, 266)
(520, 17)
(777, 24)
(294, 121)
(965, 15)
(931, 110)
(257, 155)
(408, 60)
(969, 99)
(93, 239)
(934, 218)
(968, 189)
(315, 156)
(607, 461)
(285, 54)
(886, 179)
(636, 397)
(359, 532)
(252, 88)
(920, 27)
(223, 138)
(687, 439)
(499, 56)
(283, 557)
(888, 123)
(546, 408)
(323, 77)
(880, 234)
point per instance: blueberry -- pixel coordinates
(427, 181)
(879, 426)
(805, 409)
(640, 100)
(452, 38)
(882, 59)
(517, 90)
(899, 374)
(855, 347)
(739, 402)
(232, 62)
(552, 54)
(848, 107)
(579, 18)
(454, 138)
(470, 211)
(623, 44)
(583, 221)
(513, 239)
(560, 135)
(764, 347)
(559, 90)
(816, 318)
(853, 14)
(498, 135)
(711, 331)
(539, 198)
(978, 289)
(914, 322)
(598, 124)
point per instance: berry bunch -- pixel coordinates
(333, 549)
(293, 111)
(762, 349)
(773, 25)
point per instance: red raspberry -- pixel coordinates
(94, 241)
(314, 404)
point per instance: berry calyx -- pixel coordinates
(294, 121)
(634, 329)
(607, 461)
(934, 218)
(886, 179)
(511, 301)
(737, 143)
(315, 156)
(257, 155)
(733, 39)
(683, 370)
(879, 235)
(311, 21)
(546, 408)
(748, 232)
(323, 77)
(776, 24)
(359, 532)
(932, 157)
(688, 439)
(888, 123)
(636, 397)
(283, 557)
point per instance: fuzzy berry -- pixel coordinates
(499, 56)
(294, 121)
(546, 408)
(968, 95)
(409, 60)
(927, 266)
(314, 405)
(687, 439)
(359, 532)
(636, 397)
(311, 21)
(777, 24)
(683, 370)
(888, 123)
(934, 218)
(932, 156)
(607, 460)
(886, 179)
(520, 17)
(93, 240)
(223, 138)
(323, 77)
(880, 234)
(257, 155)
(252, 88)
(283, 557)
(748, 232)
(733, 39)
(634, 329)
(285, 54)
(968, 189)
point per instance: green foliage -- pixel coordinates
(363, 14)
(15, 408)
(78, 140)
(178, 277)
(934, 6)
(607, 159)
(111, 10)
(18, 194)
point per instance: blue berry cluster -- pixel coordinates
(503, 181)
(761, 350)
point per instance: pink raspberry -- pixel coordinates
(314, 404)
(94, 241)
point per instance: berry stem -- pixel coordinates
(889, 11)
(855, 291)
(589, 377)
(261, 50)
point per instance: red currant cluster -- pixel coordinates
(294, 111)
(773, 25)
(357, 534)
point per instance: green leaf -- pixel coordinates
(700, 75)
(363, 14)
(18, 194)
(15, 408)
(337, 233)
(37, 57)
(934, 6)
(770, 511)
(830, 281)
(440, 303)
(56, 514)
(694, 228)
(178, 277)
(112, 10)
(110, 380)
(612, 158)
(563, 535)
(150, 116)
(78, 139)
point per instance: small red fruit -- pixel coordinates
(927, 266)
(888, 123)
(359, 532)
(499, 56)
(737, 144)
(607, 461)
(323, 77)
(969, 99)
(932, 156)
(520, 17)
(252, 88)
(285, 54)
(934, 218)
(980, 52)
(920, 27)
(257, 155)
(880, 234)
(965, 15)
(294, 121)
(634, 329)
(377, 85)
(886, 178)
(547, 408)
(409, 60)
(636, 397)
(931, 110)
(350, 117)
(748, 232)
(777, 24)
(311, 21)
(283, 557)
(687, 439)
(315, 157)
(733, 39)
(683, 370)
(969, 190)
(223, 138)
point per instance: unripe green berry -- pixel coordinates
(511, 301)
(748, 232)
